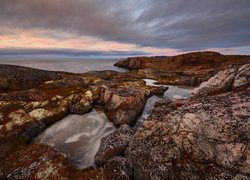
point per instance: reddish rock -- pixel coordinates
(186, 69)
(204, 138)
(114, 144)
(81, 103)
(37, 162)
(236, 78)
(120, 167)
(124, 105)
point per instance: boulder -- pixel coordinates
(224, 81)
(81, 103)
(124, 105)
(114, 144)
(242, 78)
(206, 138)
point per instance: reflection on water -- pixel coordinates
(173, 93)
(78, 136)
(149, 106)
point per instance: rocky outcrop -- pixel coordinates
(187, 69)
(227, 80)
(81, 103)
(37, 162)
(114, 144)
(206, 59)
(17, 77)
(205, 138)
(32, 99)
(124, 105)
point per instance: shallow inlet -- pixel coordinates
(78, 136)
(173, 93)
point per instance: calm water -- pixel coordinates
(69, 65)
(78, 136)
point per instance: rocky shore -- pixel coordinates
(203, 137)
(187, 69)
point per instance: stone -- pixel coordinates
(82, 103)
(242, 79)
(37, 162)
(124, 105)
(221, 82)
(114, 144)
(224, 81)
(206, 138)
(120, 167)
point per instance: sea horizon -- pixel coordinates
(68, 64)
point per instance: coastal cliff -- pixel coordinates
(186, 69)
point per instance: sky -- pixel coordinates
(123, 27)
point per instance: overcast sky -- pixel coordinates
(128, 27)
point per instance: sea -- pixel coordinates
(76, 65)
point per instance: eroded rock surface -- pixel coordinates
(124, 105)
(114, 144)
(204, 138)
(227, 80)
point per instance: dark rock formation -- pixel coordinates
(17, 77)
(114, 144)
(205, 138)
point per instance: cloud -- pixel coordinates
(177, 24)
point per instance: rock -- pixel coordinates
(242, 79)
(186, 69)
(37, 162)
(221, 82)
(17, 77)
(120, 167)
(114, 144)
(207, 138)
(124, 105)
(67, 82)
(1, 118)
(224, 81)
(82, 104)
(203, 60)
